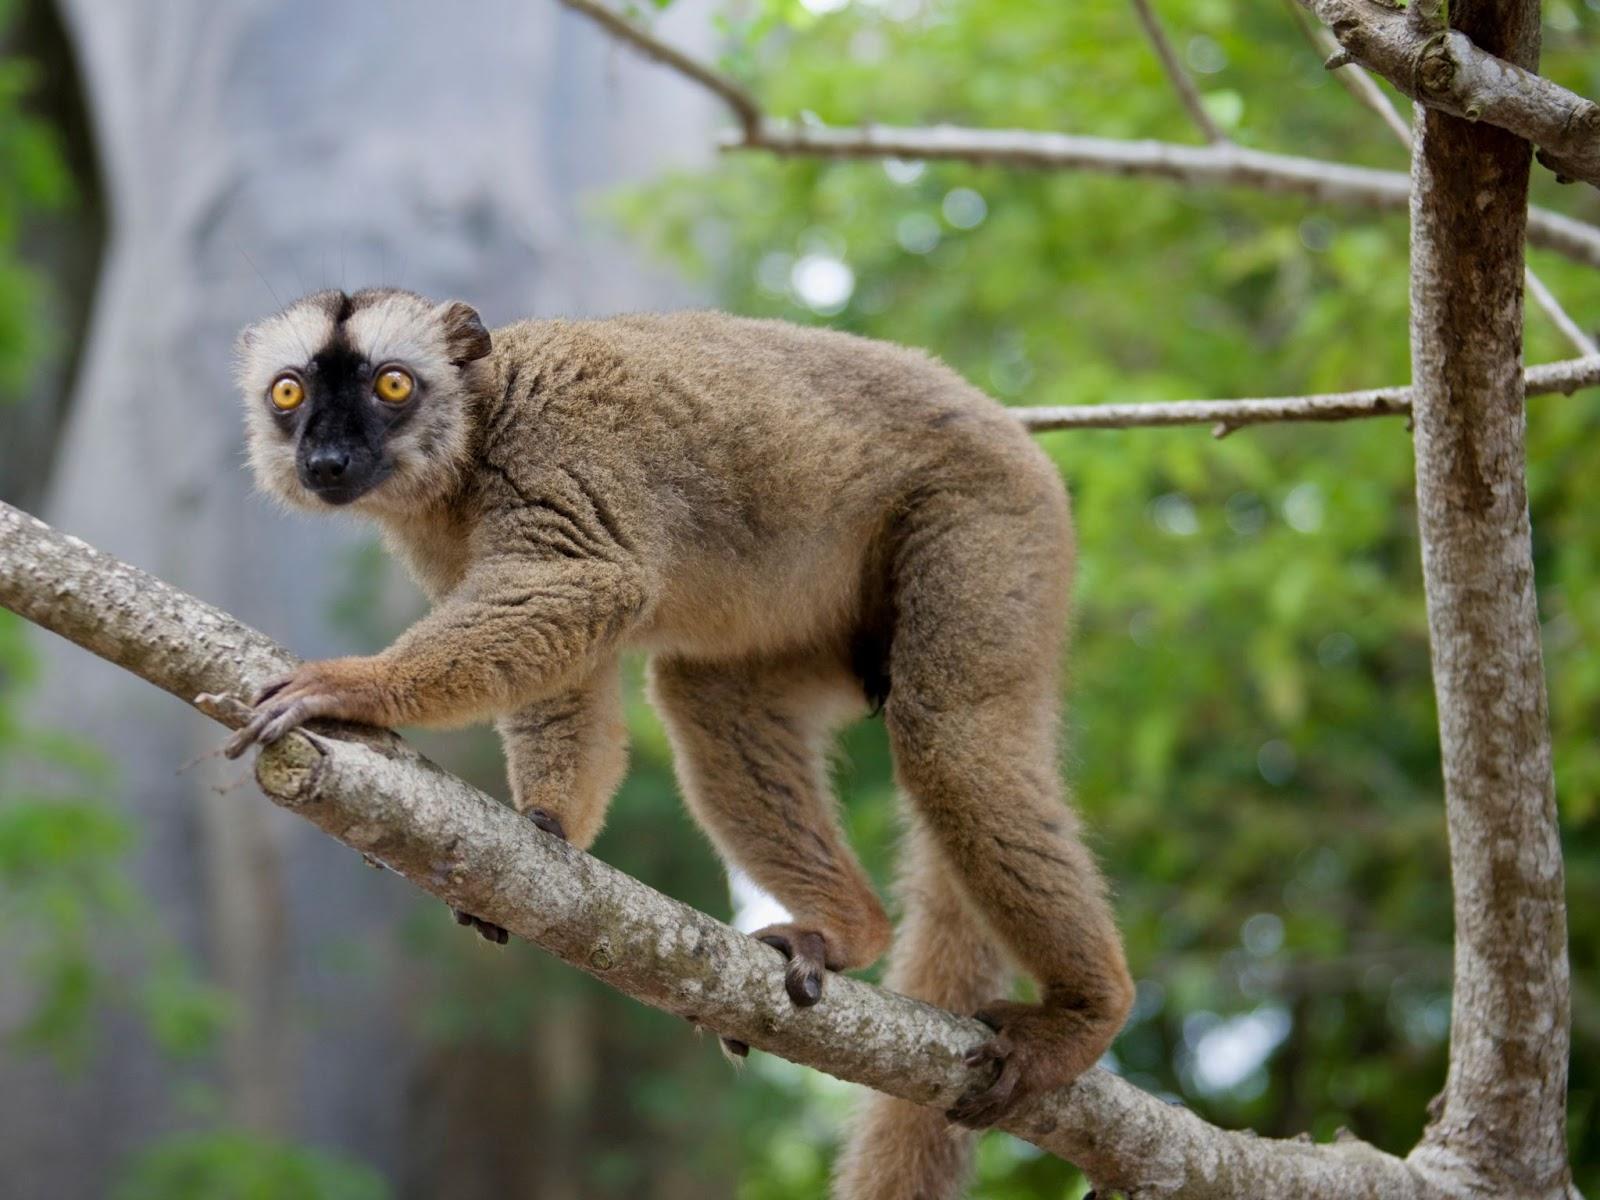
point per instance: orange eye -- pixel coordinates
(286, 393)
(394, 386)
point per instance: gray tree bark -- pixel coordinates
(356, 143)
(1503, 1111)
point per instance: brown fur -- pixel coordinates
(788, 520)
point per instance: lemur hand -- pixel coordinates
(345, 689)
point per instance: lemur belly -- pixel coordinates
(789, 598)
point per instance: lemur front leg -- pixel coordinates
(518, 629)
(521, 636)
(565, 757)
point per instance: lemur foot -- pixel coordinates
(1036, 1048)
(807, 952)
(488, 930)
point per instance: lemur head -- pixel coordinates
(366, 399)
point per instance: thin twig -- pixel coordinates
(1565, 377)
(1551, 307)
(1353, 78)
(732, 94)
(1176, 75)
(1220, 165)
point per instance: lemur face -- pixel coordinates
(360, 399)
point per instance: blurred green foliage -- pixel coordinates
(238, 1166)
(1252, 731)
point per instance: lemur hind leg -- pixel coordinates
(565, 756)
(749, 740)
(980, 612)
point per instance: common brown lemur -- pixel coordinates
(796, 525)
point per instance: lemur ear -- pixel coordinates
(464, 334)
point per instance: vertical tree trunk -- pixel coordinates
(1503, 1109)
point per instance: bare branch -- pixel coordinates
(395, 807)
(1225, 416)
(1550, 230)
(1444, 70)
(731, 93)
(1222, 165)
(1176, 75)
(1580, 338)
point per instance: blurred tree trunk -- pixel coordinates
(252, 151)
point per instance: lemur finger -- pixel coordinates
(295, 715)
(272, 687)
(247, 736)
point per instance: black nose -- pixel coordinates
(326, 465)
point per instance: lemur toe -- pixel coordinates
(982, 1107)
(1037, 1048)
(807, 952)
(488, 930)
(546, 821)
(734, 1050)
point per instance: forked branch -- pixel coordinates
(1443, 69)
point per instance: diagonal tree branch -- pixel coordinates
(1221, 165)
(1176, 75)
(371, 791)
(1225, 416)
(1445, 70)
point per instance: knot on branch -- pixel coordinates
(1435, 68)
(287, 770)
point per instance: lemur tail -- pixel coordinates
(942, 954)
